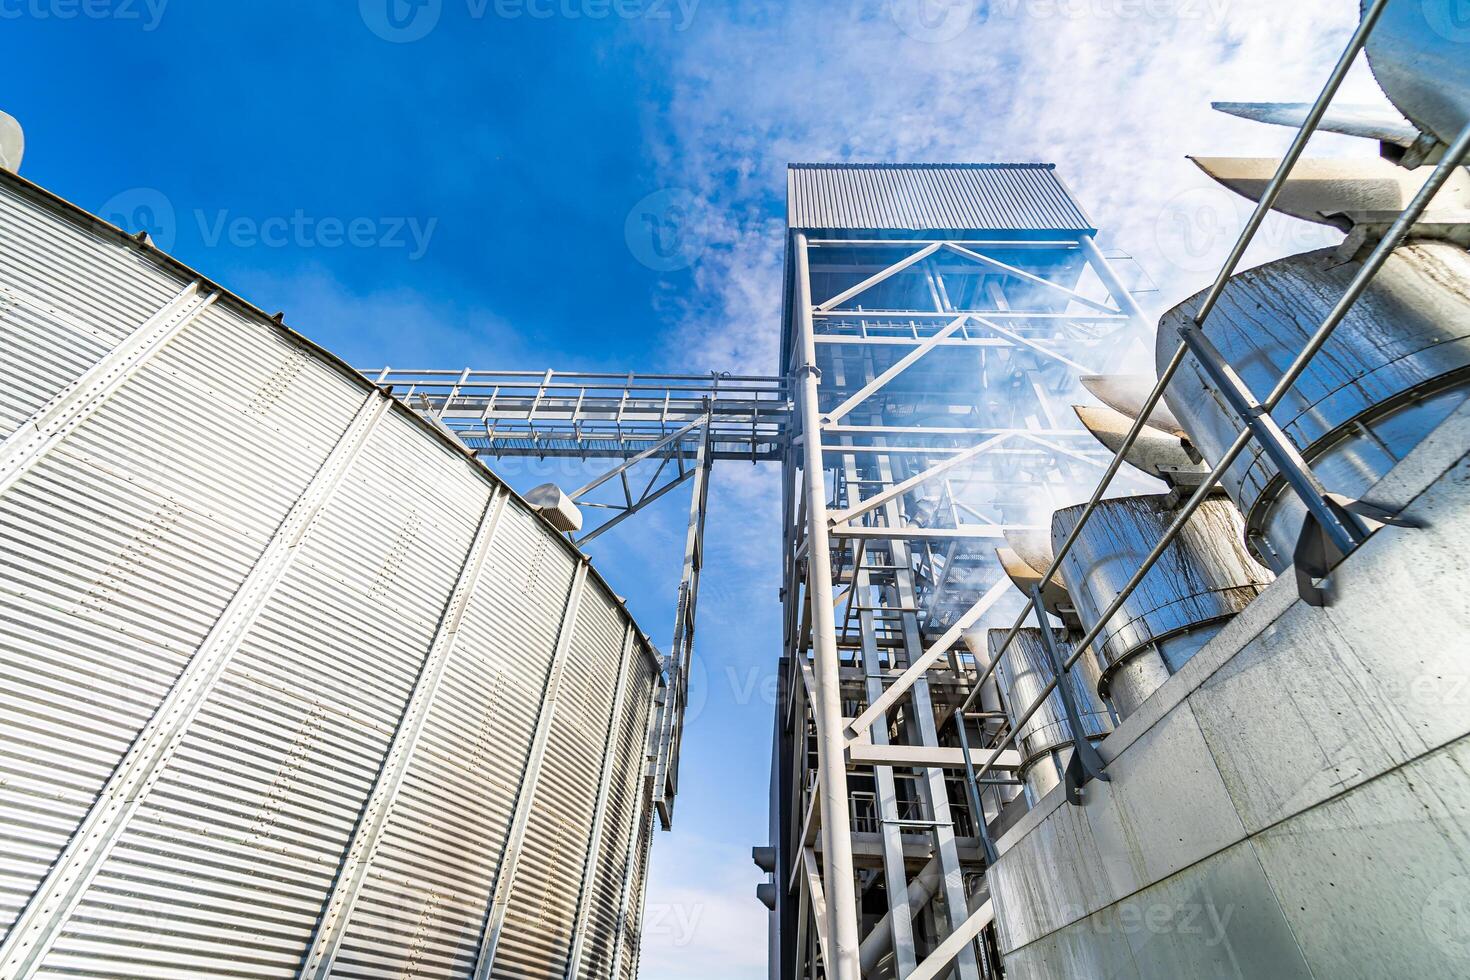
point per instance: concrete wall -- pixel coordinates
(1296, 801)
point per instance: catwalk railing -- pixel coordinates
(591, 415)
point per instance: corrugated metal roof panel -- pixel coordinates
(949, 196)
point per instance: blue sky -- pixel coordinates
(451, 182)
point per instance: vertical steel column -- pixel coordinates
(895, 876)
(681, 654)
(840, 890)
(923, 730)
(1110, 280)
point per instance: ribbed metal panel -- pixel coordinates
(104, 288)
(630, 931)
(966, 197)
(605, 894)
(41, 351)
(226, 582)
(428, 888)
(536, 939)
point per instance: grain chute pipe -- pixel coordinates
(1298, 146)
(1139, 424)
(841, 892)
(1185, 513)
(1395, 236)
(1253, 225)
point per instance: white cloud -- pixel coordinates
(1115, 92)
(702, 917)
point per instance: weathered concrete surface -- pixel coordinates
(1303, 784)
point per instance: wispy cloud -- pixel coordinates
(1115, 93)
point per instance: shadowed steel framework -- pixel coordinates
(936, 320)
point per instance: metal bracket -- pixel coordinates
(1086, 764)
(972, 794)
(1316, 555)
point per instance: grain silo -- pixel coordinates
(292, 684)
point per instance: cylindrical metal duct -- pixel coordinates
(1417, 53)
(1203, 578)
(989, 703)
(1394, 369)
(1046, 740)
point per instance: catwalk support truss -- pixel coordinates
(931, 375)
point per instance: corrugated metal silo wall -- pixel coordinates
(288, 685)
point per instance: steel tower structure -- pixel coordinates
(936, 319)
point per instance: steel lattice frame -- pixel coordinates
(927, 372)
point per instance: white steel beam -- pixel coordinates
(1025, 276)
(819, 907)
(918, 480)
(871, 281)
(939, 648)
(1038, 348)
(863, 751)
(836, 820)
(898, 367)
(936, 964)
(75, 403)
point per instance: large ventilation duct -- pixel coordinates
(1203, 579)
(1046, 740)
(1395, 368)
(1418, 55)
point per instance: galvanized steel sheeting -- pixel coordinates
(1407, 336)
(1024, 674)
(1205, 574)
(926, 197)
(242, 473)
